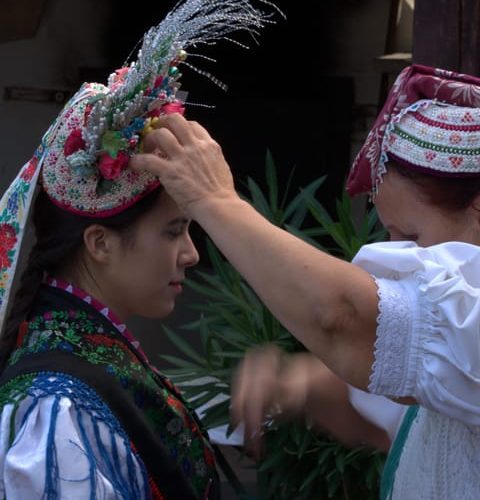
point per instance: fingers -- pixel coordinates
(161, 140)
(254, 391)
(178, 126)
(149, 162)
(158, 146)
(199, 131)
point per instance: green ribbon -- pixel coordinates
(391, 465)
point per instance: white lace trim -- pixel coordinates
(397, 347)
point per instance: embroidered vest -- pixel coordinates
(65, 335)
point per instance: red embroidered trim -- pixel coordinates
(101, 214)
(445, 126)
(156, 495)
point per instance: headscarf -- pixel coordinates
(429, 121)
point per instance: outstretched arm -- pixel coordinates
(330, 305)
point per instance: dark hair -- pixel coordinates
(58, 245)
(446, 193)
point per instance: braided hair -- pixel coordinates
(58, 246)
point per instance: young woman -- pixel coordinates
(402, 320)
(83, 414)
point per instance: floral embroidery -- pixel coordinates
(13, 215)
(81, 334)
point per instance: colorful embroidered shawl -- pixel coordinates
(71, 339)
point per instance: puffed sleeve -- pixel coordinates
(428, 327)
(51, 449)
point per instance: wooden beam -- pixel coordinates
(470, 37)
(436, 33)
(20, 19)
(446, 34)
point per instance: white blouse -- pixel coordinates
(428, 347)
(49, 438)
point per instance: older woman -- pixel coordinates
(401, 321)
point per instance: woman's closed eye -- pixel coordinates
(176, 228)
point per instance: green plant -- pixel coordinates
(300, 462)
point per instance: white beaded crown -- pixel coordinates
(85, 153)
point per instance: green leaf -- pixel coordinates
(259, 201)
(307, 439)
(113, 142)
(309, 479)
(230, 354)
(318, 211)
(272, 182)
(219, 264)
(217, 415)
(183, 346)
(175, 361)
(273, 459)
(298, 207)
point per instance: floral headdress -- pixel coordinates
(82, 163)
(430, 121)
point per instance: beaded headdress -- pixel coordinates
(430, 122)
(82, 163)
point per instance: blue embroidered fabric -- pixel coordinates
(87, 403)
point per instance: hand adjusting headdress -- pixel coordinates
(429, 122)
(82, 162)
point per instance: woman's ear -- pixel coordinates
(99, 243)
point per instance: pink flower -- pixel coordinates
(74, 142)
(120, 75)
(111, 168)
(155, 113)
(172, 107)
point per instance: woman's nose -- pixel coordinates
(189, 255)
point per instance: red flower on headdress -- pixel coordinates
(155, 113)
(111, 168)
(172, 107)
(74, 142)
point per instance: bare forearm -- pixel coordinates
(329, 408)
(309, 291)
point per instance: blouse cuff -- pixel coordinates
(399, 332)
